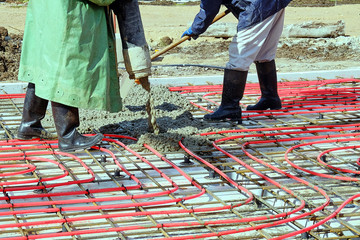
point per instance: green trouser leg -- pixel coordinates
(233, 91)
(66, 121)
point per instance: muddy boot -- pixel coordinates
(233, 91)
(66, 121)
(268, 85)
(33, 112)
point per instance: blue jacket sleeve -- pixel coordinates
(208, 11)
(258, 10)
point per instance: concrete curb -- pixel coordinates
(20, 87)
(11, 88)
(292, 76)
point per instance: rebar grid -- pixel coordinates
(289, 173)
(304, 102)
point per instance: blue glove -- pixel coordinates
(189, 33)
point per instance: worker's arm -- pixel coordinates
(208, 11)
(102, 2)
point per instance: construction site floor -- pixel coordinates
(291, 173)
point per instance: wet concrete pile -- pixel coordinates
(173, 115)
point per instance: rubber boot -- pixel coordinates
(233, 91)
(66, 121)
(33, 112)
(268, 85)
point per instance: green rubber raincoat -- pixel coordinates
(68, 53)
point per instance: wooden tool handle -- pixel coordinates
(183, 39)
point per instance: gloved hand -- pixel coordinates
(144, 83)
(189, 33)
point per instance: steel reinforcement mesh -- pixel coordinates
(291, 173)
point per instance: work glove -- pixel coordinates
(190, 33)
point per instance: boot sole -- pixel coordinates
(263, 109)
(224, 120)
(30, 137)
(93, 143)
(26, 137)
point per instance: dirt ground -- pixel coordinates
(169, 22)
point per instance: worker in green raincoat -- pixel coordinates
(68, 58)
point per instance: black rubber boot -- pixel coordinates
(66, 121)
(268, 85)
(33, 112)
(233, 91)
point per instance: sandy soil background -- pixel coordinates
(160, 21)
(169, 22)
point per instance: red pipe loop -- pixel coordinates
(30, 168)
